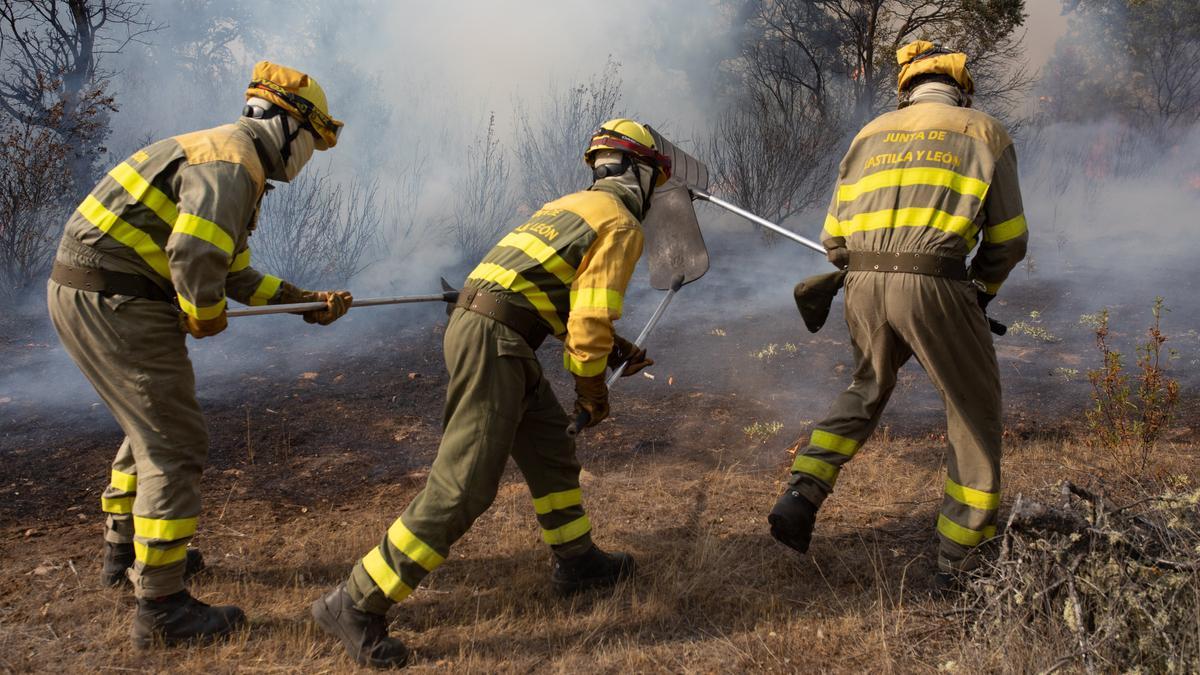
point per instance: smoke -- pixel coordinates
(417, 82)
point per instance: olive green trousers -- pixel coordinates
(893, 317)
(135, 355)
(498, 403)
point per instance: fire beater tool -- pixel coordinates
(448, 295)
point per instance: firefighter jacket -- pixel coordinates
(180, 213)
(570, 263)
(932, 178)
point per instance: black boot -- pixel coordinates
(180, 618)
(593, 569)
(363, 634)
(792, 520)
(118, 558)
(947, 585)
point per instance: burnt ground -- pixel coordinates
(337, 434)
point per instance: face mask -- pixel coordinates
(302, 151)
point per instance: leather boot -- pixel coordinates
(180, 618)
(792, 520)
(118, 558)
(363, 634)
(593, 569)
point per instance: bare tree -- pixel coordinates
(550, 152)
(51, 67)
(773, 163)
(485, 203)
(316, 232)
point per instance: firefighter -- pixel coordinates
(562, 273)
(149, 257)
(918, 189)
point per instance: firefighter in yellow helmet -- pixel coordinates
(917, 191)
(149, 257)
(562, 273)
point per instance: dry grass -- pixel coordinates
(714, 593)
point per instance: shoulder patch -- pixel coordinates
(227, 143)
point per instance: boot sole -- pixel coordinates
(779, 530)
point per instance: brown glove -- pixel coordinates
(625, 351)
(337, 303)
(840, 257)
(202, 328)
(591, 396)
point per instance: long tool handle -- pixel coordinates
(582, 419)
(733, 208)
(448, 296)
(995, 326)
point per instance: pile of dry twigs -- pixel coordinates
(1115, 586)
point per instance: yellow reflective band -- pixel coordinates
(831, 226)
(166, 530)
(991, 288)
(204, 230)
(149, 196)
(384, 577)
(117, 505)
(894, 178)
(417, 551)
(1009, 229)
(538, 250)
(240, 261)
(834, 443)
(815, 467)
(894, 218)
(583, 368)
(125, 482)
(976, 499)
(567, 533)
(109, 223)
(158, 557)
(141, 156)
(597, 298)
(202, 313)
(518, 284)
(557, 500)
(266, 290)
(963, 535)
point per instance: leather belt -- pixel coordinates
(909, 263)
(108, 282)
(527, 324)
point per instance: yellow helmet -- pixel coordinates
(926, 58)
(633, 138)
(300, 96)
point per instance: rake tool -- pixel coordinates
(448, 295)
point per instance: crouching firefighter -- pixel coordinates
(918, 189)
(148, 258)
(563, 273)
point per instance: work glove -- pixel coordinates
(591, 396)
(337, 303)
(202, 328)
(814, 296)
(625, 351)
(840, 257)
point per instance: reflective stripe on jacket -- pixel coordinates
(180, 212)
(932, 178)
(571, 263)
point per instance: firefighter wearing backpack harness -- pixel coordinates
(918, 189)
